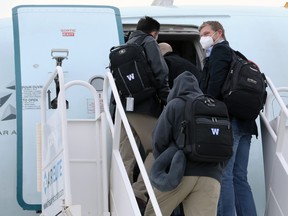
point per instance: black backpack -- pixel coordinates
(131, 71)
(244, 90)
(206, 133)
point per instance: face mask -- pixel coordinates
(207, 41)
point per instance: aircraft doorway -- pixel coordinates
(184, 40)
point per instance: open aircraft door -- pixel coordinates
(86, 34)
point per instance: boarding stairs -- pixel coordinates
(274, 129)
(82, 171)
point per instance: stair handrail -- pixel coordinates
(109, 81)
(61, 106)
(284, 110)
(91, 89)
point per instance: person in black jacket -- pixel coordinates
(199, 188)
(176, 63)
(235, 189)
(145, 114)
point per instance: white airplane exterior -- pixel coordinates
(34, 36)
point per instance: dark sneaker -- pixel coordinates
(141, 204)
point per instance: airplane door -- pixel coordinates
(87, 33)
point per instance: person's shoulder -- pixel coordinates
(224, 45)
(139, 34)
(149, 39)
(174, 56)
(221, 49)
(176, 103)
(169, 54)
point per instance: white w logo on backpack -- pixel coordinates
(130, 76)
(215, 131)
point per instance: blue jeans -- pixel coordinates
(235, 189)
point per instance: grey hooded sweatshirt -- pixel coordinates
(154, 105)
(169, 123)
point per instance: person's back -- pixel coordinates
(148, 25)
(200, 186)
(176, 63)
(144, 116)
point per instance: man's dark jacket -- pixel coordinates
(215, 71)
(178, 65)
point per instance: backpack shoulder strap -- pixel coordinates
(181, 139)
(239, 54)
(139, 42)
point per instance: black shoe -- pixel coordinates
(141, 204)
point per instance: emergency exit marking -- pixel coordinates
(68, 32)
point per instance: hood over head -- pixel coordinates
(185, 84)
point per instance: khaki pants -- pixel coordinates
(199, 196)
(142, 127)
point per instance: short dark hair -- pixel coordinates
(148, 24)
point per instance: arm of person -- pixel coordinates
(159, 68)
(219, 65)
(163, 132)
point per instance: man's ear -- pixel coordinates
(220, 32)
(154, 34)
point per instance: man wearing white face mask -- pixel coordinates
(235, 192)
